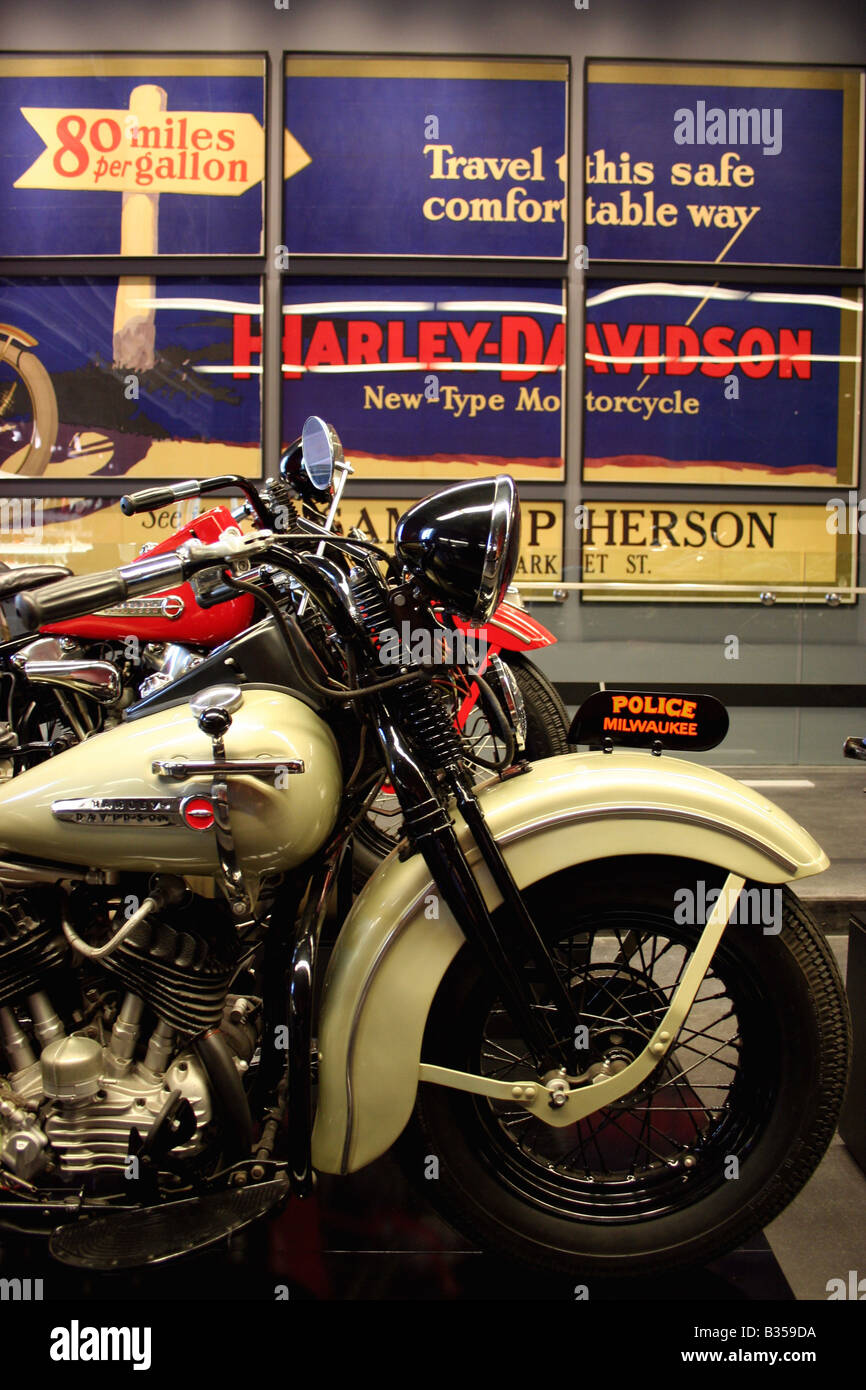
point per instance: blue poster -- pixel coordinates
(131, 156)
(717, 163)
(430, 380)
(425, 157)
(722, 384)
(104, 377)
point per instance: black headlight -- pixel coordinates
(461, 545)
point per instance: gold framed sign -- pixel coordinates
(735, 547)
(425, 156)
(91, 533)
(129, 154)
(131, 376)
(735, 162)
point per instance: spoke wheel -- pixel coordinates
(716, 1141)
(668, 1140)
(28, 408)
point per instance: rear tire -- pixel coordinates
(526, 1191)
(547, 721)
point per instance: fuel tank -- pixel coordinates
(101, 804)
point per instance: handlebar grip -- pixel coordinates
(152, 497)
(83, 594)
(71, 598)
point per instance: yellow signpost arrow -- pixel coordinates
(217, 153)
(295, 157)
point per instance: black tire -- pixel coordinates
(547, 720)
(547, 726)
(790, 1047)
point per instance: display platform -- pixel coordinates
(372, 1237)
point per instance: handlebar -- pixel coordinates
(83, 594)
(150, 498)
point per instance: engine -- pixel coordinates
(86, 1112)
(66, 690)
(76, 1103)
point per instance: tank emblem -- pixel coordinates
(169, 607)
(120, 810)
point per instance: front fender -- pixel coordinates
(399, 939)
(511, 629)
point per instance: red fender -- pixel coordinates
(511, 629)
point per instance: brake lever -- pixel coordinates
(233, 549)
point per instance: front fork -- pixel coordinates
(561, 1098)
(431, 831)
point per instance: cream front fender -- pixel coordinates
(399, 939)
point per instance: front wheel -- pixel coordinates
(717, 1141)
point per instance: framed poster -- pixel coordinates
(87, 533)
(713, 162)
(541, 524)
(722, 384)
(132, 155)
(765, 544)
(107, 378)
(435, 379)
(422, 156)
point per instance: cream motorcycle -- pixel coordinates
(558, 984)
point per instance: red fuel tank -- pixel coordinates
(173, 615)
